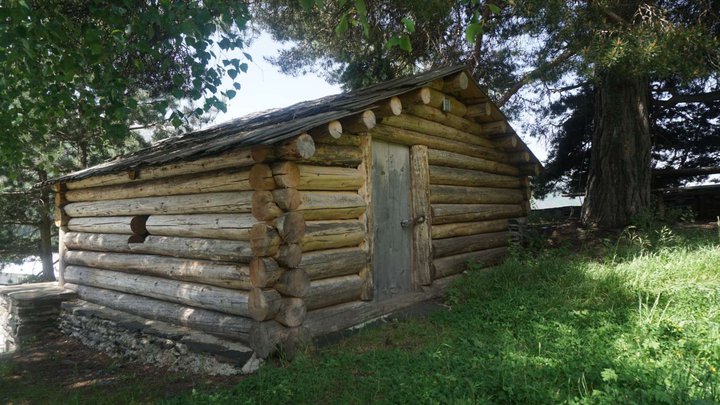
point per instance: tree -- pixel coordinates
(614, 48)
(77, 77)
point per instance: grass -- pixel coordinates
(638, 324)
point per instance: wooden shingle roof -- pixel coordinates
(268, 127)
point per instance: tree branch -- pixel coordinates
(706, 98)
(532, 75)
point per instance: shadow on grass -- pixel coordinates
(548, 327)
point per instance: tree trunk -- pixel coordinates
(45, 228)
(620, 172)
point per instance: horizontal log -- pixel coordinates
(299, 147)
(494, 128)
(194, 248)
(221, 274)
(442, 101)
(212, 226)
(216, 323)
(426, 126)
(471, 178)
(261, 177)
(359, 123)
(408, 137)
(450, 120)
(480, 110)
(240, 201)
(392, 106)
(196, 183)
(233, 159)
(332, 129)
(468, 228)
(288, 199)
(290, 255)
(331, 291)
(286, 174)
(321, 264)
(447, 266)
(126, 225)
(344, 140)
(196, 295)
(333, 155)
(264, 304)
(438, 157)
(325, 205)
(530, 169)
(454, 213)
(471, 243)
(455, 83)
(440, 194)
(264, 240)
(323, 178)
(507, 142)
(264, 272)
(290, 227)
(293, 283)
(322, 235)
(264, 207)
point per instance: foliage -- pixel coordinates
(550, 326)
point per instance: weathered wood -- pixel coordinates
(332, 291)
(438, 157)
(420, 199)
(480, 110)
(455, 264)
(393, 106)
(293, 283)
(62, 248)
(332, 129)
(419, 96)
(450, 120)
(290, 227)
(468, 228)
(454, 213)
(240, 201)
(290, 255)
(265, 337)
(264, 272)
(425, 126)
(332, 155)
(440, 194)
(408, 137)
(216, 323)
(287, 199)
(456, 83)
(325, 178)
(117, 225)
(232, 159)
(521, 157)
(264, 240)
(365, 191)
(494, 128)
(199, 271)
(321, 235)
(196, 183)
(368, 287)
(319, 205)
(471, 178)
(264, 207)
(292, 312)
(212, 226)
(345, 140)
(286, 174)
(299, 147)
(441, 100)
(197, 295)
(531, 169)
(471, 243)
(506, 142)
(334, 262)
(261, 177)
(263, 304)
(359, 123)
(194, 248)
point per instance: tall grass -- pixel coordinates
(637, 324)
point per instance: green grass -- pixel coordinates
(637, 323)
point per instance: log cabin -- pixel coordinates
(301, 221)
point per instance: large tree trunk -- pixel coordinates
(620, 172)
(45, 227)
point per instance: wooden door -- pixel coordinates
(392, 260)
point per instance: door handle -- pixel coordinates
(405, 223)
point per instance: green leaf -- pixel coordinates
(199, 111)
(232, 73)
(409, 25)
(244, 67)
(231, 94)
(493, 8)
(472, 31)
(342, 26)
(405, 43)
(247, 56)
(237, 86)
(176, 122)
(307, 4)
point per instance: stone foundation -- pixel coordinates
(29, 311)
(127, 336)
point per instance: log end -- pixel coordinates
(263, 304)
(261, 177)
(292, 312)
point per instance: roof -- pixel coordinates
(265, 127)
